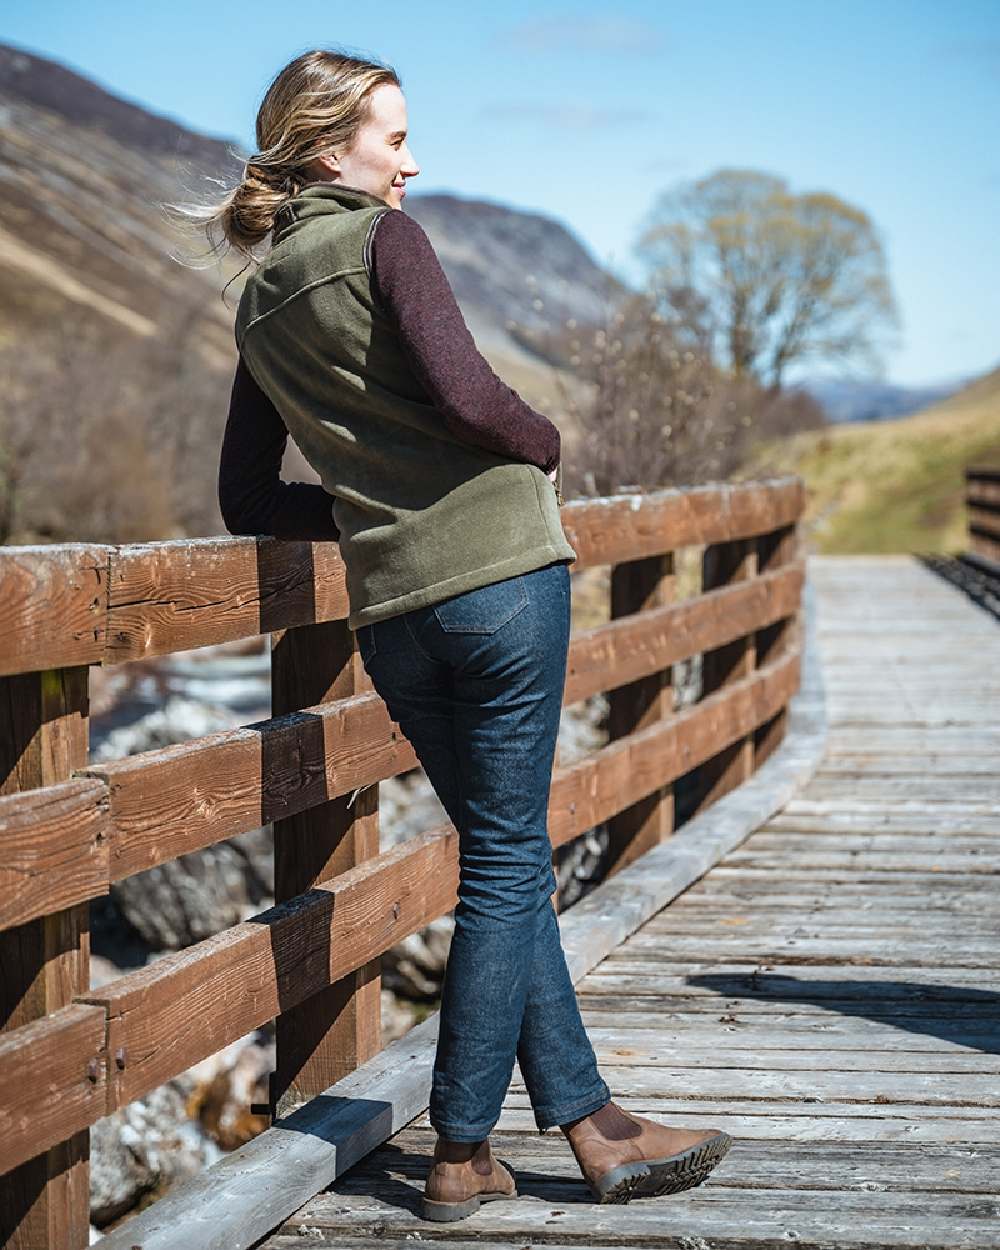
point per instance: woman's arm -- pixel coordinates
(409, 283)
(252, 497)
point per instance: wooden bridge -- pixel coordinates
(798, 941)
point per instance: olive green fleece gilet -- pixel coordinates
(422, 515)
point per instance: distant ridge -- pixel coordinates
(98, 166)
(859, 400)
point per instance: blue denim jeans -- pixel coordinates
(475, 682)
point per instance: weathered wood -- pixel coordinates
(44, 962)
(725, 564)
(733, 1216)
(53, 1076)
(781, 548)
(53, 849)
(53, 607)
(172, 800)
(637, 586)
(329, 1034)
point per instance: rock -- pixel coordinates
(226, 1086)
(141, 1149)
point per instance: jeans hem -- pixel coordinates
(463, 1134)
(545, 1119)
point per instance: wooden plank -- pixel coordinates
(637, 586)
(761, 1164)
(53, 849)
(765, 1218)
(53, 608)
(789, 1121)
(172, 800)
(685, 1038)
(630, 527)
(775, 921)
(856, 878)
(174, 596)
(635, 647)
(706, 1051)
(44, 962)
(333, 1031)
(964, 1021)
(725, 564)
(804, 1085)
(865, 861)
(53, 1078)
(985, 845)
(766, 982)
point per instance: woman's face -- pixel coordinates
(380, 159)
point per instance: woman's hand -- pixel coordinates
(554, 477)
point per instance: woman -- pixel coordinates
(440, 484)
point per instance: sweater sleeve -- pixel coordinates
(477, 406)
(252, 497)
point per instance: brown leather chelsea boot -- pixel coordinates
(462, 1175)
(625, 1156)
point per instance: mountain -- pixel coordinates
(853, 400)
(512, 266)
(82, 234)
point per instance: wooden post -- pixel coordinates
(329, 1035)
(779, 547)
(45, 1202)
(639, 585)
(722, 564)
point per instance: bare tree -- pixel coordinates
(646, 405)
(778, 277)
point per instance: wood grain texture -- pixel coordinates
(78, 603)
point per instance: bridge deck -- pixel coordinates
(828, 993)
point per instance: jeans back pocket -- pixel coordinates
(483, 610)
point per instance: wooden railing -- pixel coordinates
(68, 828)
(982, 501)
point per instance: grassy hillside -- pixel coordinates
(892, 486)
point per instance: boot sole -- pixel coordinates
(445, 1212)
(651, 1178)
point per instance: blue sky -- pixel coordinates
(586, 112)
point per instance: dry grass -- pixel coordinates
(891, 486)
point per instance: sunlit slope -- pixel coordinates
(892, 486)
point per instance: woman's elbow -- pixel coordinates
(237, 519)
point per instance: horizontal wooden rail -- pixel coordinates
(982, 501)
(90, 604)
(53, 1078)
(53, 849)
(173, 800)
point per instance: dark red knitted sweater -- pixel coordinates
(475, 404)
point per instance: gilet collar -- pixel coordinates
(318, 198)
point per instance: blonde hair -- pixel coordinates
(316, 105)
